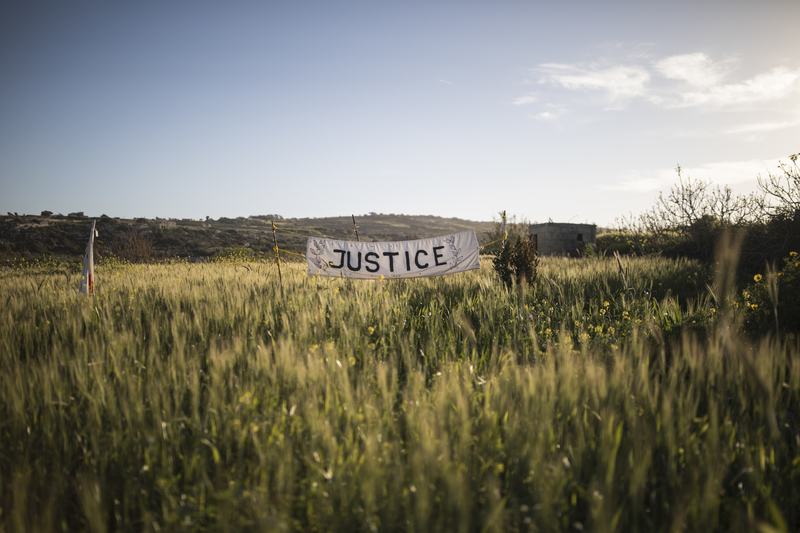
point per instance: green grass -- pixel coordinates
(608, 397)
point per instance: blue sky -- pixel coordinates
(576, 110)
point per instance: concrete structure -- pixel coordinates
(553, 238)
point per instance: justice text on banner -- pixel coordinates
(435, 256)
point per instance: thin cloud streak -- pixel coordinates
(622, 83)
(763, 127)
(776, 84)
(619, 82)
(525, 99)
(554, 112)
(695, 69)
(721, 173)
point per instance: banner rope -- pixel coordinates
(504, 237)
(484, 225)
(288, 252)
(295, 233)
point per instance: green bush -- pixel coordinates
(518, 261)
(624, 242)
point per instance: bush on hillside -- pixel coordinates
(133, 247)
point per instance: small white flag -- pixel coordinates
(87, 275)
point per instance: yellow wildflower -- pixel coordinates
(757, 277)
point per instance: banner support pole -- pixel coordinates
(355, 228)
(277, 257)
(505, 232)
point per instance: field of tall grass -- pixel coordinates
(609, 396)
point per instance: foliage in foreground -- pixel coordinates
(193, 397)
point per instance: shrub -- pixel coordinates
(133, 247)
(518, 261)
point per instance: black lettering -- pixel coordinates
(371, 262)
(436, 255)
(358, 266)
(391, 255)
(408, 262)
(341, 262)
(416, 259)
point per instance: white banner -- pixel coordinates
(402, 259)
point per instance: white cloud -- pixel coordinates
(641, 184)
(619, 82)
(525, 99)
(702, 82)
(762, 127)
(554, 112)
(545, 115)
(721, 173)
(773, 85)
(446, 82)
(696, 69)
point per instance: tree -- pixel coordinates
(783, 188)
(133, 246)
(690, 218)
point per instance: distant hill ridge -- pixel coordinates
(31, 236)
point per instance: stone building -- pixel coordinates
(553, 238)
(166, 224)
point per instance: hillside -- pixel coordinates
(32, 236)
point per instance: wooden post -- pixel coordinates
(277, 257)
(505, 233)
(355, 228)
